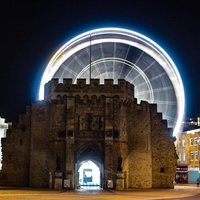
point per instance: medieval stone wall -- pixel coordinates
(102, 123)
(164, 156)
(16, 153)
(140, 161)
(39, 140)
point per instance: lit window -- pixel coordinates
(191, 156)
(179, 143)
(183, 143)
(184, 157)
(191, 141)
(179, 156)
(195, 141)
(196, 155)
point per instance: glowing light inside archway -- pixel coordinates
(124, 36)
(89, 174)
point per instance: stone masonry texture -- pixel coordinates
(97, 122)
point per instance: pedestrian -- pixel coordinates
(198, 180)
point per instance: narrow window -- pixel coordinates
(195, 141)
(191, 156)
(183, 143)
(179, 156)
(196, 155)
(162, 170)
(191, 141)
(89, 121)
(184, 157)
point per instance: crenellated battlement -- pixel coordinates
(123, 89)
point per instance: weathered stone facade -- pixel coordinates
(77, 122)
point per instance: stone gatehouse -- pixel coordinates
(102, 123)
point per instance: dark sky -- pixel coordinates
(33, 30)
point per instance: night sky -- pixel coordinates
(32, 31)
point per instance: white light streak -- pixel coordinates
(124, 36)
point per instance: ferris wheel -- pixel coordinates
(116, 53)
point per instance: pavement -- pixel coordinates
(187, 191)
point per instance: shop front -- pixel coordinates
(181, 174)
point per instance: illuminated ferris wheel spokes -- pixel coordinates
(115, 76)
(121, 53)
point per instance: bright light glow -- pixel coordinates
(89, 174)
(123, 36)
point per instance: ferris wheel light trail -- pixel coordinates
(131, 39)
(129, 64)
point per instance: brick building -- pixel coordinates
(102, 123)
(188, 151)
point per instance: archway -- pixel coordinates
(89, 159)
(89, 175)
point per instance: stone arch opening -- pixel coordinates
(89, 176)
(89, 167)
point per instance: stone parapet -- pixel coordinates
(54, 89)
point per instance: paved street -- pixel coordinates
(180, 192)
